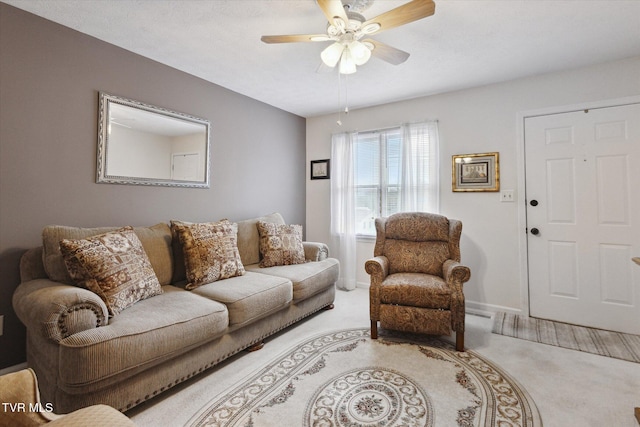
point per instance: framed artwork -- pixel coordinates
(320, 169)
(475, 172)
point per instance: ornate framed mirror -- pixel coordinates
(143, 144)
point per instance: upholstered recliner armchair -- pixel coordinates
(22, 407)
(416, 275)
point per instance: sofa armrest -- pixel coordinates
(21, 388)
(100, 415)
(315, 251)
(56, 311)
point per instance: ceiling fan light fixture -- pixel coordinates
(347, 64)
(346, 27)
(331, 55)
(360, 53)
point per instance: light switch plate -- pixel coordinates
(507, 196)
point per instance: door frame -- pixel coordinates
(186, 153)
(521, 187)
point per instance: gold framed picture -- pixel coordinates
(475, 172)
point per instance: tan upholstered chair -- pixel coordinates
(22, 407)
(416, 275)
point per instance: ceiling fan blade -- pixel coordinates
(387, 53)
(408, 12)
(333, 9)
(296, 38)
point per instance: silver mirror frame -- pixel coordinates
(102, 176)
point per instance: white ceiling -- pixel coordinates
(466, 43)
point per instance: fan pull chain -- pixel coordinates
(346, 94)
(339, 99)
(346, 98)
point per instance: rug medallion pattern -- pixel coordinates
(345, 379)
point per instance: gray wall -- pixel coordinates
(50, 77)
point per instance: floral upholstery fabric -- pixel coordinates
(416, 275)
(280, 244)
(416, 257)
(113, 265)
(416, 320)
(417, 228)
(416, 290)
(210, 251)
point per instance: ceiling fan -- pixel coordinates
(349, 31)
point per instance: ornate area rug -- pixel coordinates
(345, 379)
(590, 340)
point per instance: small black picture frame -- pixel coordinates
(320, 169)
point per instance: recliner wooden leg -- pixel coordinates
(460, 341)
(374, 329)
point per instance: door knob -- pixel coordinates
(535, 231)
(534, 203)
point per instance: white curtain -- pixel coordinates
(418, 182)
(419, 172)
(343, 207)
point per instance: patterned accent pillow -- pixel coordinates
(113, 265)
(210, 251)
(280, 244)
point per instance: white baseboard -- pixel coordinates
(363, 285)
(487, 310)
(14, 368)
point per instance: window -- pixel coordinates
(377, 177)
(393, 170)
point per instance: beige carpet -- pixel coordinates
(344, 378)
(590, 340)
(577, 389)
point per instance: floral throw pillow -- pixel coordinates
(113, 265)
(280, 244)
(210, 251)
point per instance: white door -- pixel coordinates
(583, 217)
(184, 167)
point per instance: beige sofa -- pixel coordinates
(84, 357)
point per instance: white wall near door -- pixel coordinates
(476, 120)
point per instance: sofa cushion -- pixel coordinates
(210, 251)
(114, 266)
(280, 244)
(156, 241)
(144, 335)
(308, 279)
(249, 239)
(249, 297)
